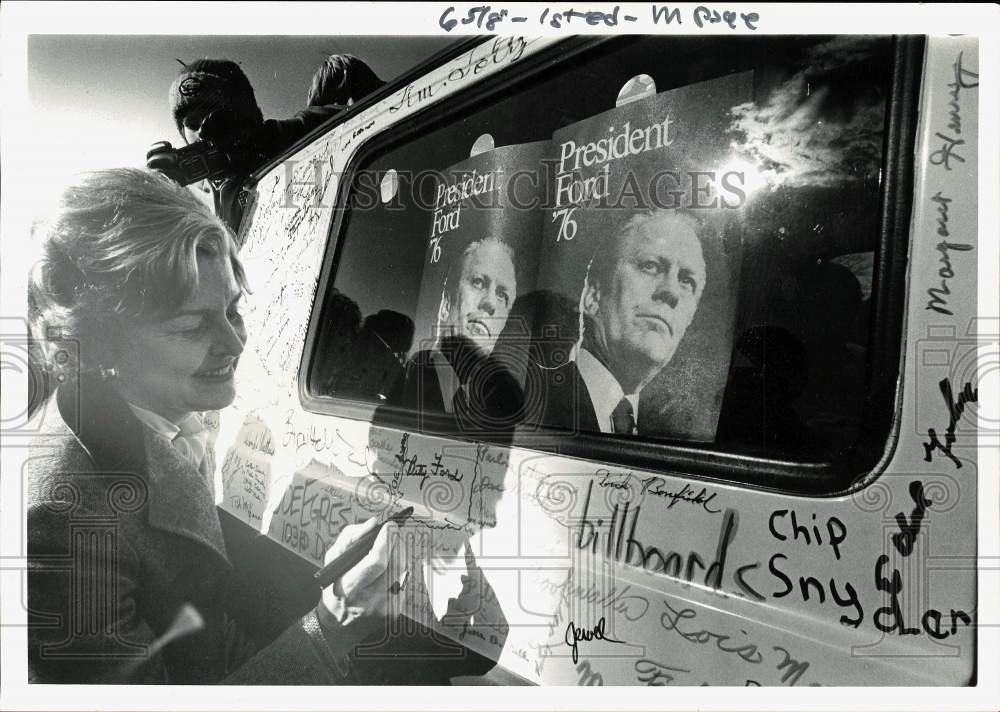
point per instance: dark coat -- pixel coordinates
(420, 388)
(122, 532)
(493, 401)
(276, 137)
(567, 403)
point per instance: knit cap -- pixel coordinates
(209, 84)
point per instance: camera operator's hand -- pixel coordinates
(237, 138)
(357, 605)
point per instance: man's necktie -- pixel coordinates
(623, 418)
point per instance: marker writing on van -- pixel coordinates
(630, 550)
(955, 410)
(654, 485)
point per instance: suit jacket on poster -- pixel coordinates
(122, 532)
(420, 388)
(567, 403)
(491, 400)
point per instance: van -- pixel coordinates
(670, 341)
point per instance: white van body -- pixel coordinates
(871, 585)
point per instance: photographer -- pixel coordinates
(216, 112)
(342, 79)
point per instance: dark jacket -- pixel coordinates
(420, 388)
(567, 403)
(122, 532)
(491, 402)
(276, 137)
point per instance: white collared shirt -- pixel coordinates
(605, 391)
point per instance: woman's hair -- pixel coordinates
(340, 78)
(122, 245)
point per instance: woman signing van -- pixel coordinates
(129, 577)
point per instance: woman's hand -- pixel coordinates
(359, 601)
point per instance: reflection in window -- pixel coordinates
(692, 266)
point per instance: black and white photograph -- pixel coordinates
(525, 347)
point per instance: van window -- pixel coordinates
(658, 240)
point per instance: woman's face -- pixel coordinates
(184, 362)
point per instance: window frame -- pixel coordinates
(864, 460)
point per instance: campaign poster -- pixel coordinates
(641, 234)
(481, 254)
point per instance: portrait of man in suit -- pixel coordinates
(642, 288)
(477, 294)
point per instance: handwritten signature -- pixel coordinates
(574, 635)
(623, 601)
(955, 410)
(671, 620)
(655, 674)
(950, 142)
(939, 295)
(654, 485)
(791, 669)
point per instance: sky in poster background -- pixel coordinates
(101, 101)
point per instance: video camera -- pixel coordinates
(226, 146)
